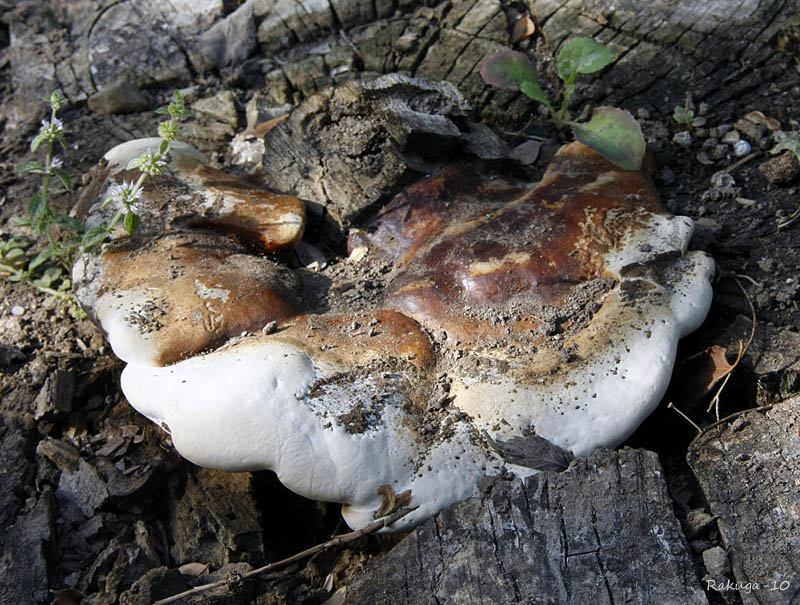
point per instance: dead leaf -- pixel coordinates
(532, 451)
(720, 367)
(391, 502)
(523, 29)
(526, 153)
(698, 374)
(756, 117)
(194, 569)
(261, 130)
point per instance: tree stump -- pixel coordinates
(603, 531)
(749, 469)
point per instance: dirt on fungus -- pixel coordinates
(138, 490)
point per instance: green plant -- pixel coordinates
(49, 270)
(126, 196)
(42, 217)
(685, 117)
(611, 131)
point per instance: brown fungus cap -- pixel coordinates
(189, 281)
(504, 315)
(191, 195)
(164, 299)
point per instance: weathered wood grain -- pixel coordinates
(749, 469)
(603, 531)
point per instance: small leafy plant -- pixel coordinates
(126, 196)
(685, 117)
(49, 270)
(611, 131)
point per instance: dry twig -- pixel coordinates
(735, 415)
(341, 539)
(689, 420)
(742, 349)
(743, 161)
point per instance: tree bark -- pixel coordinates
(748, 469)
(603, 531)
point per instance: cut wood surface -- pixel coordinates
(749, 470)
(603, 531)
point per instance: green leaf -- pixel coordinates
(508, 69)
(70, 222)
(44, 223)
(64, 177)
(30, 167)
(73, 241)
(582, 56)
(38, 140)
(42, 257)
(50, 275)
(134, 163)
(14, 253)
(534, 91)
(132, 222)
(37, 206)
(615, 134)
(163, 148)
(163, 110)
(93, 237)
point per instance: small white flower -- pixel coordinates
(117, 193)
(124, 195)
(152, 163)
(52, 129)
(56, 162)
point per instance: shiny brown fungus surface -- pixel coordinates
(471, 313)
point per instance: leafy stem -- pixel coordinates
(612, 132)
(126, 195)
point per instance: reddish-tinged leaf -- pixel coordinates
(615, 134)
(508, 69)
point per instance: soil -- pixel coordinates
(147, 484)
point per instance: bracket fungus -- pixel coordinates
(512, 326)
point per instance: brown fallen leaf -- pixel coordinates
(523, 29)
(194, 569)
(391, 502)
(698, 374)
(756, 117)
(262, 129)
(719, 367)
